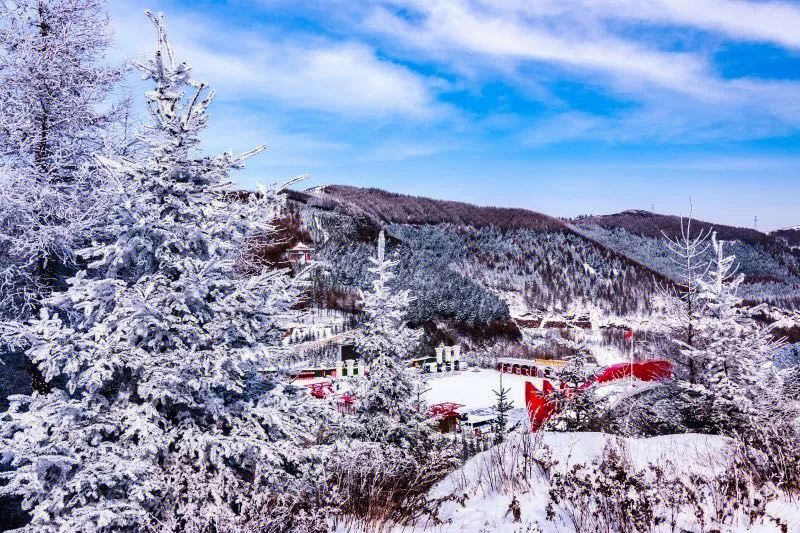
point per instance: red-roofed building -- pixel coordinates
(299, 254)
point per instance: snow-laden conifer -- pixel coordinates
(732, 350)
(152, 347)
(385, 331)
(57, 111)
(384, 340)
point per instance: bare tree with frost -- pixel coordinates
(157, 341)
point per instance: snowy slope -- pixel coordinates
(485, 507)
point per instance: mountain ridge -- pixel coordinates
(383, 206)
(473, 268)
(370, 203)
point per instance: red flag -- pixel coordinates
(629, 334)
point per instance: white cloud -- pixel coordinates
(769, 21)
(765, 20)
(399, 150)
(669, 120)
(498, 33)
(665, 95)
(342, 77)
(674, 96)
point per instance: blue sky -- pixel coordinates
(560, 106)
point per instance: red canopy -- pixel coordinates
(319, 390)
(348, 398)
(443, 410)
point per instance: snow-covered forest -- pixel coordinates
(180, 355)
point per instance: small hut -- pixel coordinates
(299, 254)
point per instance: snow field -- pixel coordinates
(475, 388)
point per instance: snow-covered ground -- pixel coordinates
(475, 389)
(484, 509)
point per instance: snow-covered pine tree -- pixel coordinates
(384, 340)
(55, 86)
(384, 330)
(388, 388)
(502, 408)
(55, 115)
(580, 410)
(155, 340)
(400, 455)
(737, 375)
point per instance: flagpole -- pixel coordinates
(630, 357)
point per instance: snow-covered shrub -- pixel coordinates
(771, 451)
(738, 491)
(512, 467)
(376, 483)
(664, 410)
(791, 382)
(156, 340)
(607, 495)
(787, 361)
(585, 411)
(610, 495)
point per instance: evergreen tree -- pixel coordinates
(387, 396)
(384, 331)
(384, 340)
(581, 410)
(737, 376)
(419, 389)
(389, 388)
(55, 116)
(155, 340)
(502, 408)
(55, 86)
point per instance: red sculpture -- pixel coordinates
(541, 405)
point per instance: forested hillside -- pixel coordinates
(471, 263)
(770, 267)
(480, 265)
(790, 235)
(380, 206)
